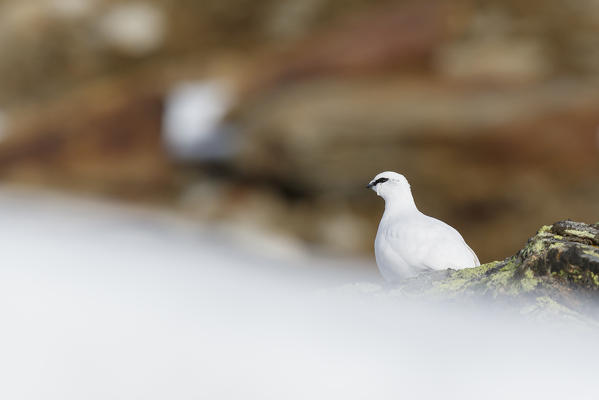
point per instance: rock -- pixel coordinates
(495, 59)
(555, 274)
(86, 142)
(72, 9)
(490, 48)
(312, 133)
(3, 124)
(384, 38)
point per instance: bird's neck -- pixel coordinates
(400, 204)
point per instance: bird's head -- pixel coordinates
(388, 184)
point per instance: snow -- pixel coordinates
(136, 28)
(99, 301)
(194, 127)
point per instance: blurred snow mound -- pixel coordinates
(193, 126)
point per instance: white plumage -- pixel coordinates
(409, 242)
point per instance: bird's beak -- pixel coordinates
(369, 186)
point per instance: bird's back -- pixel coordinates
(409, 244)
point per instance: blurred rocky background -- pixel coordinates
(274, 114)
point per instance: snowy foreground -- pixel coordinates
(101, 302)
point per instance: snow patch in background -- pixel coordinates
(136, 29)
(193, 126)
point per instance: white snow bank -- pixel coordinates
(98, 302)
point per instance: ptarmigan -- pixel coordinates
(409, 242)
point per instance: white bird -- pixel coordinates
(409, 242)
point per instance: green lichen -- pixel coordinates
(541, 303)
(476, 272)
(537, 246)
(546, 306)
(463, 279)
(591, 252)
(545, 229)
(502, 278)
(578, 233)
(528, 281)
(451, 286)
(584, 279)
(493, 279)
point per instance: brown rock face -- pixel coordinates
(107, 145)
(570, 254)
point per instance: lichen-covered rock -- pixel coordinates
(556, 273)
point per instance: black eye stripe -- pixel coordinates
(380, 180)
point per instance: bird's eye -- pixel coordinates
(381, 180)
